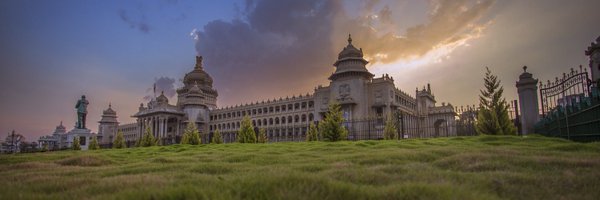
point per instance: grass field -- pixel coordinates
(483, 167)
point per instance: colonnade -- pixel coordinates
(159, 125)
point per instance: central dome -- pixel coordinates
(198, 75)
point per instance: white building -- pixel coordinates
(365, 99)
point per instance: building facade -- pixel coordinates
(366, 101)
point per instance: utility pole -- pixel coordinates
(12, 142)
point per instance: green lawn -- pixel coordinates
(484, 167)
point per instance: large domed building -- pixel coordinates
(366, 101)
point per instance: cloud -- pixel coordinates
(163, 84)
(275, 45)
(140, 25)
(450, 23)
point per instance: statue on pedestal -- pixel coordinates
(81, 107)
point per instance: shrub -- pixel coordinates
(262, 136)
(246, 133)
(76, 146)
(390, 132)
(217, 138)
(313, 133)
(119, 141)
(94, 144)
(331, 127)
(148, 139)
(191, 135)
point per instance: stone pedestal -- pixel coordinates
(528, 101)
(85, 136)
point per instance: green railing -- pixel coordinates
(577, 122)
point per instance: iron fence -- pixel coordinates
(570, 108)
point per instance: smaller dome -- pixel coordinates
(60, 126)
(162, 99)
(109, 111)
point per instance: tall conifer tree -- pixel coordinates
(492, 117)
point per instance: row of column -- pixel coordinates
(158, 126)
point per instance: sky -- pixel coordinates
(114, 51)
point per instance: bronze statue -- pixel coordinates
(81, 107)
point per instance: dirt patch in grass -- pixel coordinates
(162, 160)
(83, 161)
(211, 169)
(29, 166)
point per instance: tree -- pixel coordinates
(119, 141)
(217, 138)
(44, 147)
(390, 132)
(148, 138)
(313, 133)
(191, 135)
(492, 117)
(246, 133)
(331, 128)
(262, 136)
(76, 146)
(94, 144)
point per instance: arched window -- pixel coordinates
(311, 117)
(259, 122)
(296, 118)
(289, 119)
(303, 117)
(270, 121)
(265, 121)
(282, 120)
(276, 120)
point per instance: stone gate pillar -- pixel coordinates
(528, 101)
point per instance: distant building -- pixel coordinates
(362, 96)
(12, 143)
(61, 139)
(55, 141)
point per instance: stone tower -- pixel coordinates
(528, 101)
(593, 52)
(349, 81)
(197, 96)
(107, 128)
